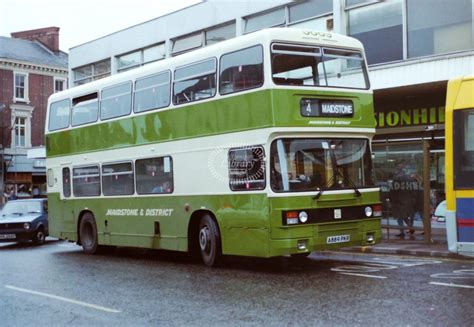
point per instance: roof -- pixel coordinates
(32, 52)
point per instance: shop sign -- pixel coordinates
(410, 117)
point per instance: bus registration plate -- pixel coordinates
(7, 236)
(338, 239)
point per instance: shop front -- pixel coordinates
(409, 159)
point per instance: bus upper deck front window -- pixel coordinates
(314, 66)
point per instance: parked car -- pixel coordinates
(24, 220)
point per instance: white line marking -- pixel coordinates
(452, 285)
(363, 275)
(84, 304)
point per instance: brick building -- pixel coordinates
(31, 68)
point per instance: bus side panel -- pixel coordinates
(465, 219)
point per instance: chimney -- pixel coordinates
(48, 36)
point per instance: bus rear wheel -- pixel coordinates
(209, 241)
(88, 234)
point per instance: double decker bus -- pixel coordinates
(460, 165)
(255, 146)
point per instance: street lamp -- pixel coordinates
(2, 161)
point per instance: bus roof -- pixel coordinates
(266, 36)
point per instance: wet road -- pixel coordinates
(57, 284)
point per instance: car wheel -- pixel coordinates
(88, 234)
(40, 237)
(209, 241)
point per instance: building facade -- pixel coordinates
(413, 48)
(31, 68)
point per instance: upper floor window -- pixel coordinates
(141, 57)
(268, 19)
(308, 9)
(195, 82)
(187, 43)
(116, 101)
(92, 72)
(439, 26)
(21, 87)
(152, 92)
(241, 70)
(20, 132)
(59, 84)
(85, 109)
(59, 115)
(379, 27)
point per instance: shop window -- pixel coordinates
(85, 109)
(241, 70)
(463, 129)
(247, 169)
(59, 115)
(195, 82)
(152, 92)
(154, 176)
(116, 101)
(219, 34)
(66, 182)
(117, 179)
(268, 19)
(439, 26)
(86, 181)
(379, 28)
(310, 9)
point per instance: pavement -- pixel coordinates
(412, 244)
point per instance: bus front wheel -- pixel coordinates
(209, 241)
(88, 234)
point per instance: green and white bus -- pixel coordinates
(255, 146)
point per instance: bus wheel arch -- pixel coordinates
(204, 237)
(87, 235)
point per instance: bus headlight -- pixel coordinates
(303, 217)
(368, 212)
(26, 226)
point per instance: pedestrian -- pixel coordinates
(402, 202)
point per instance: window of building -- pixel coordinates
(187, 43)
(350, 3)
(59, 84)
(21, 87)
(195, 82)
(219, 34)
(439, 26)
(463, 128)
(66, 182)
(85, 109)
(140, 57)
(152, 92)
(59, 115)
(308, 9)
(247, 169)
(117, 179)
(241, 70)
(268, 19)
(116, 101)
(154, 176)
(380, 28)
(20, 132)
(92, 72)
(86, 181)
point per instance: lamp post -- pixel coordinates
(2, 161)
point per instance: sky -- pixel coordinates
(81, 21)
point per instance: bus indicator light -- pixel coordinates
(377, 210)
